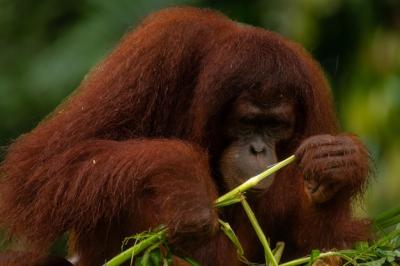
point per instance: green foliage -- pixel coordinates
(228, 231)
(380, 252)
(155, 240)
(383, 251)
(388, 218)
(154, 257)
(147, 242)
(314, 256)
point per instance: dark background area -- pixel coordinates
(47, 47)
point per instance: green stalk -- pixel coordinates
(228, 231)
(388, 223)
(278, 251)
(383, 240)
(387, 218)
(251, 182)
(269, 256)
(231, 197)
(304, 260)
(136, 249)
(301, 261)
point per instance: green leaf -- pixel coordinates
(143, 242)
(156, 257)
(165, 262)
(146, 259)
(388, 218)
(361, 246)
(314, 256)
(228, 231)
(149, 252)
(168, 258)
(390, 255)
(139, 261)
(278, 250)
(378, 262)
(228, 202)
(395, 242)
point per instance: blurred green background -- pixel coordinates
(47, 47)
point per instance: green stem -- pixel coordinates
(384, 240)
(269, 256)
(136, 249)
(388, 214)
(301, 261)
(254, 180)
(388, 222)
(388, 218)
(278, 251)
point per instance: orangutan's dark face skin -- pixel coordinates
(253, 132)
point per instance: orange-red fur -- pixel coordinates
(145, 122)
